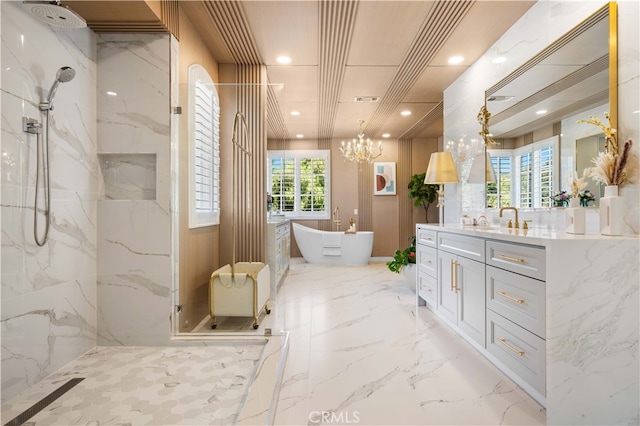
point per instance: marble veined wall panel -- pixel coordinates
(134, 236)
(129, 176)
(593, 375)
(44, 330)
(48, 294)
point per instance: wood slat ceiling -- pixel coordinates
(121, 16)
(396, 50)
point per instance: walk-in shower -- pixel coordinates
(31, 125)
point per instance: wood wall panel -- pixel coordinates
(250, 172)
(198, 247)
(406, 226)
(364, 222)
(170, 16)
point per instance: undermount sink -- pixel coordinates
(482, 227)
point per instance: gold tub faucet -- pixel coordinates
(517, 224)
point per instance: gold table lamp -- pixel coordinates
(482, 171)
(441, 170)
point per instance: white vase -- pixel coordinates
(409, 272)
(575, 217)
(611, 211)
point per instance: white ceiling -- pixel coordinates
(396, 50)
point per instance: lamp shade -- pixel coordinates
(441, 169)
(482, 171)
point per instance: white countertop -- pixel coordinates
(534, 236)
(276, 219)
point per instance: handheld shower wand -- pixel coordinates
(30, 125)
(63, 75)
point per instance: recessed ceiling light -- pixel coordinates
(542, 111)
(112, 94)
(283, 60)
(455, 60)
(499, 60)
(500, 98)
(385, 135)
(295, 112)
(299, 136)
(636, 112)
(405, 113)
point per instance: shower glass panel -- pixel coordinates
(200, 254)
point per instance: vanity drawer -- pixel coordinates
(427, 285)
(526, 260)
(282, 229)
(517, 298)
(428, 261)
(519, 350)
(426, 237)
(469, 247)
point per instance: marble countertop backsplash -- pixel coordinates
(534, 235)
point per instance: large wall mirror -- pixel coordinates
(534, 112)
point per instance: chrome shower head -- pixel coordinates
(63, 75)
(54, 13)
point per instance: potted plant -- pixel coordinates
(405, 261)
(402, 258)
(423, 194)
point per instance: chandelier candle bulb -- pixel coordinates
(360, 150)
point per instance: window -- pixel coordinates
(526, 175)
(499, 193)
(299, 182)
(204, 149)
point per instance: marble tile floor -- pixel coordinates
(361, 352)
(189, 385)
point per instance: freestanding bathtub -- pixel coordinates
(333, 248)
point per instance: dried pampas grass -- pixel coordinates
(615, 169)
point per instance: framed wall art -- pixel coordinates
(384, 178)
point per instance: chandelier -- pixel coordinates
(360, 150)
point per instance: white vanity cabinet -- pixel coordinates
(493, 294)
(560, 312)
(427, 279)
(516, 306)
(427, 260)
(278, 252)
(461, 288)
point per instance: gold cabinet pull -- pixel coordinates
(508, 296)
(511, 348)
(511, 259)
(426, 238)
(454, 276)
(451, 276)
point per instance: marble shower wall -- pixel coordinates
(134, 231)
(48, 294)
(541, 25)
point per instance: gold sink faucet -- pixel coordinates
(515, 210)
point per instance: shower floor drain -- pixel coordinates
(43, 403)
